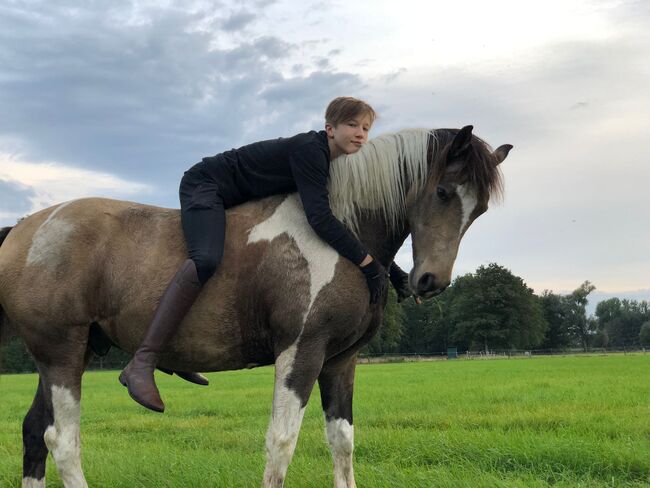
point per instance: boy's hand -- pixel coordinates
(376, 279)
(400, 281)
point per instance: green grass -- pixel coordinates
(560, 421)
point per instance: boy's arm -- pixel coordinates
(311, 173)
(400, 281)
(310, 170)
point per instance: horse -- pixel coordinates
(97, 268)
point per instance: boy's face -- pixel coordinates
(348, 137)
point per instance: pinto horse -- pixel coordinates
(281, 295)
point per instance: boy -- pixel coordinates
(299, 163)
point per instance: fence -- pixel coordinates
(17, 360)
(494, 354)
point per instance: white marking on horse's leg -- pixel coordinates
(49, 239)
(340, 435)
(33, 483)
(468, 201)
(62, 438)
(289, 217)
(285, 423)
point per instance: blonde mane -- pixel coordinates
(378, 175)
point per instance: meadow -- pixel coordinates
(545, 421)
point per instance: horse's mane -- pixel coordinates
(378, 176)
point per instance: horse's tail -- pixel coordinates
(3, 334)
(4, 232)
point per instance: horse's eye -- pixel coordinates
(442, 194)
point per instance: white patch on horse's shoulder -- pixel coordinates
(289, 218)
(468, 201)
(33, 483)
(62, 438)
(49, 240)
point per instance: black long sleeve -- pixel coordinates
(311, 173)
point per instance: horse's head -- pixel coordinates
(463, 173)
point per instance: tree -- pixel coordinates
(644, 335)
(15, 358)
(582, 329)
(387, 339)
(622, 320)
(425, 327)
(555, 313)
(494, 308)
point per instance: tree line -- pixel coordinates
(490, 309)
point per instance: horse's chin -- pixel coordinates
(431, 294)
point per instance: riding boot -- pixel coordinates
(174, 305)
(196, 378)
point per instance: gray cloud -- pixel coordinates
(146, 95)
(316, 87)
(237, 21)
(14, 197)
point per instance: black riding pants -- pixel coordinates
(203, 216)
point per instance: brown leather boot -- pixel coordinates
(174, 305)
(196, 378)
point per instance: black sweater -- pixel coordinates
(300, 163)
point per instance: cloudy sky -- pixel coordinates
(117, 99)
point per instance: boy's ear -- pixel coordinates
(329, 128)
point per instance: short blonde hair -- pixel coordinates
(342, 109)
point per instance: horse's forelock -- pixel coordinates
(480, 171)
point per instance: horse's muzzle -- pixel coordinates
(429, 286)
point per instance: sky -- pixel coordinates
(117, 99)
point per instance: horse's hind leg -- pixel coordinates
(55, 413)
(34, 449)
(336, 383)
(296, 370)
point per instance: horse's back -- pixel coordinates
(65, 251)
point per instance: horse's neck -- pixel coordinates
(381, 242)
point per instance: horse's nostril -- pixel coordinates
(427, 282)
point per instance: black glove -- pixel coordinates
(400, 281)
(376, 278)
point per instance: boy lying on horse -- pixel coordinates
(286, 165)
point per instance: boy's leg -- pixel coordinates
(204, 230)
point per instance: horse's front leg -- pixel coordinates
(336, 383)
(296, 370)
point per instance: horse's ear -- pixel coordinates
(502, 152)
(461, 142)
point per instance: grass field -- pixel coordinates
(558, 421)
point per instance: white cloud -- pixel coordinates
(48, 183)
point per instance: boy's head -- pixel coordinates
(347, 123)
(342, 109)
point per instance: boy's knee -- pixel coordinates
(205, 267)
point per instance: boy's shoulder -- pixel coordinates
(312, 139)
